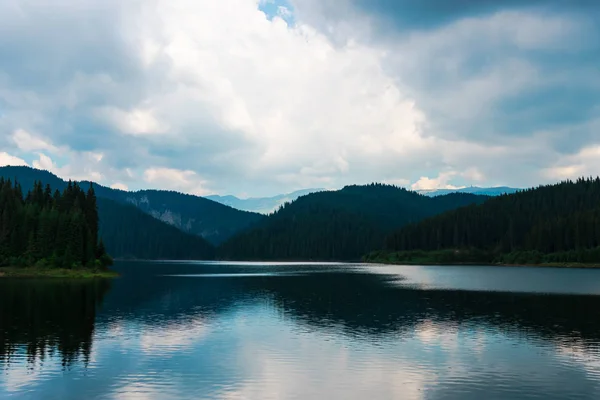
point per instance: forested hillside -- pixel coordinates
(130, 233)
(337, 225)
(193, 214)
(48, 227)
(196, 215)
(555, 223)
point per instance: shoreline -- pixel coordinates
(36, 272)
(483, 264)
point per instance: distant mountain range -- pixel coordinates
(309, 224)
(267, 205)
(263, 205)
(486, 191)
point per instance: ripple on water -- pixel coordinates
(297, 334)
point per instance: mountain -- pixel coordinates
(553, 223)
(337, 225)
(489, 191)
(128, 232)
(263, 205)
(192, 214)
(41, 224)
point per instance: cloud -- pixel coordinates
(585, 163)
(134, 122)
(478, 80)
(247, 96)
(174, 179)
(7, 159)
(119, 186)
(28, 142)
(87, 171)
(441, 182)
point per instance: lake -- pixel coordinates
(192, 330)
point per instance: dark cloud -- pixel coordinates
(89, 37)
(430, 14)
(483, 70)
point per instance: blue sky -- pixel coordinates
(258, 97)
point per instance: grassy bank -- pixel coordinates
(39, 272)
(582, 259)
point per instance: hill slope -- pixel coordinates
(193, 214)
(337, 225)
(555, 223)
(130, 233)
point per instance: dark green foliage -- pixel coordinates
(555, 223)
(128, 232)
(192, 214)
(213, 221)
(337, 225)
(46, 230)
(448, 256)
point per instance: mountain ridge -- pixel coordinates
(487, 191)
(191, 214)
(337, 225)
(547, 224)
(263, 205)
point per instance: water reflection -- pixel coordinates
(301, 331)
(43, 318)
(363, 304)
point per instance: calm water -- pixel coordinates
(297, 331)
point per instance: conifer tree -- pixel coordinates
(57, 229)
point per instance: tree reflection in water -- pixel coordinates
(44, 318)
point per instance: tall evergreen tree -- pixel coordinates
(59, 229)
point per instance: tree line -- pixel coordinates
(337, 225)
(553, 223)
(49, 228)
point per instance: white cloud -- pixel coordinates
(174, 179)
(45, 162)
(25, 141)
(304, 102)
(215, 74)
(84, 167)
(119, 186)
(134, 122)
(441, 182)
(7, 159)
(584, 163)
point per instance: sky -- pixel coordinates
(260, 97)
